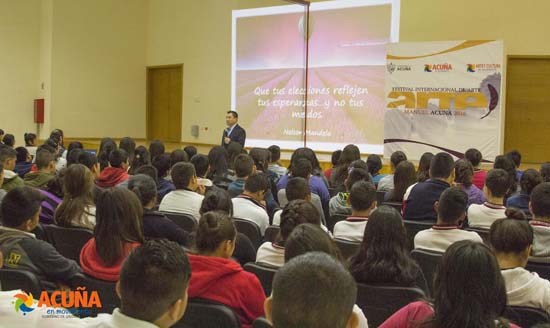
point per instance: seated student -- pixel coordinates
(312, 291)
(23, 162)
(233, 150)
(9, 140)
(464, 172)
(20, 210)
(156, 148)
(7, 157)
(90, 161)
(339, 203)
(2, 191)
(244, 166)
(30, 143)
(200, 162)
(496, 186)
(45, 163)
(540, 211)
(512, 240)
(218, 170)
(419, 205)
(403, 177)
(155, 224)
(350, 153)
(383, 257)
(505, 163)
(141, 157)
(316, 183)
(178, 155)
(216, 277)
(295, 213)
(386, 183)
(467, 269)
(515, 156)
(153, 288)
(162, 164)
(362, 198)
(73, 154)
(423, 172)
(274, 165)
(191, 151)
(334, 161)
(307, 238)
(53, 196)
(250, 205)
(117, 171)
(545, 172)
(474, 157)
(374, 164)
(187, 197)
(77, 208)
(529, 180)
(118, 230)
(297, 188)
(451, 212)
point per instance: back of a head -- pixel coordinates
(214, 228)
(295, 213)
(190, 150)
(7, 153)
(75, 145)
(468, 271)
(177, 156)
(153, 277)
(511, 235)
(30, 139)
(498, 182)
(118, 157)
(118, 221)
(217, 158)
(43, 159)
(301, 168)
(362, 195)
(141, 157)
(397, 157)
(275, 153)
(441, 166)
(22, 154)
(217, 199)
(129, 145)
(312, 291)
(473, 156)
(374, 164)
(73, 155)
(144, 187)
(308, 237)
(20, 205)
(149, 170)
(243, 165)
(356, 175)
(297, 188)
(335, 157)
(545, 172)
(9, 140)
(515, 156)
(234, 149)
(78, 181)
(464, 172)
(508, 165)
(306, 153)
(540, 201)
(256, 182)
(260, 158)
(200, 162)
(453, 204)
(156, 147)
(182, 173)
(78, 186)
(162, 164)
(423, 172)
(404, 176)
(107, 145)
(349, 154)
(529, 180)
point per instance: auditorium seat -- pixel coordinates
(397, 205)
(380, 302)
(332, 220)
(428, 262)
(249, 229)
(265, 274)
(526, 316)
(347, 248)
(201, 313)
(542, 269)
(68, 241)
(185, 221)
(271, 233)
(105, 289)
(414, 227)
(380, 195)
(12, 279)
(261, 322)
(483, 233)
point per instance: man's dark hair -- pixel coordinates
(441, 166)
(200, 162)
(529, 180)
(162, 163)
(545, 172)
(275, 153)
(356, 175)
(19, 205)
(474, 156)
(234, 113)
(297, 188)
(397, 157)
(43, 159)
(9, 140)
(178, 155)
(87, 159)
(374, 163)
(301, 168)
(73, 155)
(243, 165)
(313, 291)
(6, 152)
(148, 170)
(152, 278)
(453, 204)
(144, 187)
(540, 201)
(515, 156)
(335, 157)
(156, 148)
(510, 235)
(362, 195)
(497, 182)
(181, 175)
(22, 153)
(256, 182)
(118, 157)
(190, 150)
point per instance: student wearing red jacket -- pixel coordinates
(117, 171)
(216, 277)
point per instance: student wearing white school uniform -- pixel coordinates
(188, 196)
(512, 240)
(295, 213)
(451, 212)
(540, 210)
(250, 205)
(496, 186)
(363, 201)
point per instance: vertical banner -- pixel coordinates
(443, 96)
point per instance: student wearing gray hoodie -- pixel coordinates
(339, 204)
(8, 158)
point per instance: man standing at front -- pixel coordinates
(234, 132)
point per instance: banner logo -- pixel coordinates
(391, 67)
(23, 303)
(446, 67)
(470, 68)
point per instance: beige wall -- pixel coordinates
(19, 65)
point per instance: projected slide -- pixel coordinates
(347, 50)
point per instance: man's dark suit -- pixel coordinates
(237, 135)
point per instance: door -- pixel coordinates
(528, 107)
(164, 102)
